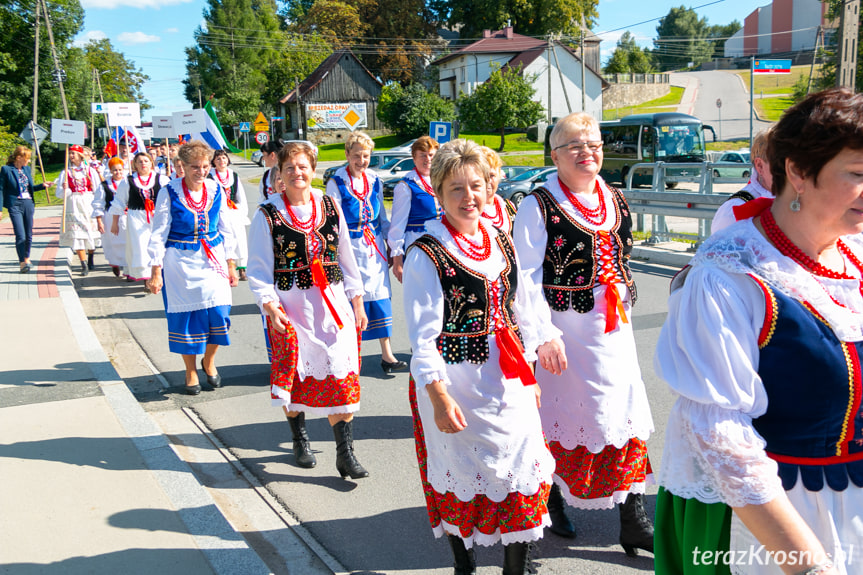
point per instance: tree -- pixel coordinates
(719, 34)
(236, 45)
(298, 56)
(830, 54)
(408, 111)
(628, 58)
(504, 100)
(336, 21)
(529, 17)
(681, 39)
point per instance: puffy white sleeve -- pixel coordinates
(424, 309)
(261, 260)
(383, 218)
(724, 215)
(242, 202)
(530, 238)
(99, 201)
(708, 353)
(161, 225)
(347, 261)
(121, 198)
(399, 219)
(262, 187)
(60, 185)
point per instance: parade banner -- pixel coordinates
(68, 132)
(190, 122)
(163, 127)
(348, 116)
(124, 114)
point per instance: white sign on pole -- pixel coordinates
(124, 114)
(146, 132)
(191, 122)
(98, 108)
(163, 127)
(68, 131)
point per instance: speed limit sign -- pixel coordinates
(262, 137)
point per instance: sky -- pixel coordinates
(154, 33)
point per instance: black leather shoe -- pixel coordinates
(636, 529)
(214, 381)
(560, 523)
(346, 461)
(390, 367)
(193, 389)
(302, 450)
(84, 269)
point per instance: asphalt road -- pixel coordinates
(374, 525)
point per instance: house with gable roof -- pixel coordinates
(557, 69)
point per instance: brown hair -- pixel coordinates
(17, 153)
(292, 149)
(146, 155)
(813, 132)
(193, 150)
(424, 144)
(218, 153)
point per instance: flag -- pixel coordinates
(120, 135)
(214, 136)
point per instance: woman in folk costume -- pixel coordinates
(573, 237)
(414, 203)
(77, 185)
(192, 255)
(762, 344)
(304, 276)
(236, 194)
(359, 192)
(270, 156)
(484, 465)
(136, 197)
(113, 245)
(499, 211)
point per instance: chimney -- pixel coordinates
(486, 33)
(508, 32)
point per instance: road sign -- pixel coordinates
(440, 131)
(718, 102)
(98, 108)
(261, 123)
(772, 67)
(41, 134)
(279, 118)
(262, 137)
(245, 126)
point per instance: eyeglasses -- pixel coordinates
(593, 146)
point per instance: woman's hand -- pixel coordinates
(233, 276)
(100, 225)
(398, 267)
(538, 392)
(552, 356)
(154, 284)
(49, 184)
(448, 416)
(115, 225)
(278, 319)
(360, 312)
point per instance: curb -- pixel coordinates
(224, 548)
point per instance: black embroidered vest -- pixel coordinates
(291, 250)
(232, 190)
(467, 312)
(569, 271)
(109, 194)
(136, 196)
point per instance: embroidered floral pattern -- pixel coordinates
(596, 476)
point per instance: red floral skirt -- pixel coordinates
(309, 392)
(600, 475)
(480, 515)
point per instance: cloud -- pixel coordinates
(171, 30)
(136, 38)
(89, 35)
(111, 4)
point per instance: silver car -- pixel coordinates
(516, 188)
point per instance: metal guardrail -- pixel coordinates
(660, 202)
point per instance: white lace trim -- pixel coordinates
(603, 502)
(489, 539)
(742, 249)
(323, 365)
(714, 455)
(598, 437)
(284, 400)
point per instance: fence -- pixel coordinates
(637, 78)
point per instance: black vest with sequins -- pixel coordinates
(569, 270)
(467, 313)
(136, 196)
(290, 248)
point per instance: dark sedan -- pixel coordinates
(516, 188)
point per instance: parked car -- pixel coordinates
(376, 160)
(406, 147)
(741, 171)
(516, 188)
(510, 172)
(258, 157)
(396, 168)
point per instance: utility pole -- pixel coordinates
(563, 84)
(849, 25)
(583, 72)
(549, 79)
(36, 100)
(59, 73)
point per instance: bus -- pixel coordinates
(665, 136)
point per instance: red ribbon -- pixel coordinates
(231, 204)
(512, 362)
(752, 208)
(319, 278)
(613, 306)
(150, 208)
(369, 236)
(213, 259)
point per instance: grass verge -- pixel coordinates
(661, 104)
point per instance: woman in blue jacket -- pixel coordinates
(16, 184)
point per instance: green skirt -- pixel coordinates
(688, 536)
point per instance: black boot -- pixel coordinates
(636, 529)
(516, 559)
(465, 559)
(560, 523)
(84, 270)
(302, 450)
(346, 462)
(90, 263)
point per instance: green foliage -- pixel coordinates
(830, 53)
(719, 34)
(532, 18)
(629, 58)
(408, 111)
(504, 100)
(8, 141)
(681, 39)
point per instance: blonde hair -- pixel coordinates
(453, 157)
(760, 143)
(138, 156)
(18, 152)
(494, 161)
(360, 138)
(193, 150)
(578, 122)
(292, 149)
